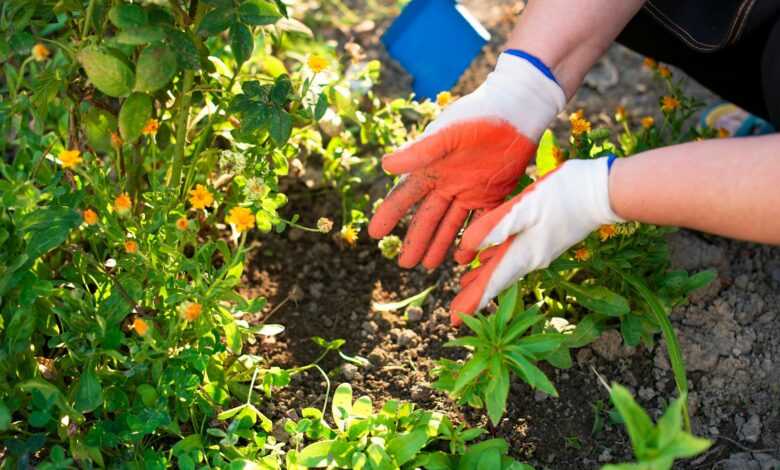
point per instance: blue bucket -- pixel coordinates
(435, 41)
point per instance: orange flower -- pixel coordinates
(557, 154)
(648, 122)
(723, 133)
(90, 217)
(123, 204)
(241, 218)
(182, 223)
(669, 104)
(582, 254)
(116, 140)
(650, 63)
(40, 52)
(579, 114)
(606, 232)
(444, 98)
(620, 114)
(579, 126)
(664, 71)
(70, 158)
(151, 126)
(131, 246)
(317, 63)
(191, 311)
(349, 235)
(140, 326)
(200, 197)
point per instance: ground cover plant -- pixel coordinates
(143, 147)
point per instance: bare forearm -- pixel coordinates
(571, 36)
(727, 187)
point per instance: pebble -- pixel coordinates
(406, 338)
(414, 314)
(540, 395)
(350, 371)
(751, 430)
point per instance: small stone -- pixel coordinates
(420, 393)
(751, 430)
(610, 346)
(370, 326)
(605, 456)
(349, 371)
(584, 355)
(540, 395)
(646, 393)
(407, 338)
(414, 314)
(741, 281)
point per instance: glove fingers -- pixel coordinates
(421, 230)
(498, 225)
(403, 196)
(419, 153)
(484, 257)
(472, 297)
(445, 235)
(463, 256)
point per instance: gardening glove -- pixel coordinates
(532, 229)
(469, 158)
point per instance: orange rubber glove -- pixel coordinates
(468, 159)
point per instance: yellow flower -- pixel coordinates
(579, 126)
(116, 140)
(123, 204)
(650, 63)
(648, 122)
(200, 197)
(324, 225)
(669, 104)
(723, 133)
(444, 98)
(191, 311)
(577, 115)
(90, 217)
(151, 126)
(349, 235)
(40, 52)
(582, 254)
(70, 158)
(182, 223)
(664, 71)
(131, 246)
(241, 218)
(620, 114)
(317, 63)
(140, 326)
(606, 232)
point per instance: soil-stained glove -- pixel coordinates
(469, 158)
(532, 229)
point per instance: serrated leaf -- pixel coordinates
(241, 42)
(157, 64)
(110, 74)
(280, 126)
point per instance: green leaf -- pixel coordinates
(404, 447)
(378, 458)
(185, 49)
(49, 228)
(532, 374)
(133, 116)
(233, 337)
(258, 12)
(341, 407)
(89, 393)
(540, 343)
(467, 341)
(216, 21)
(497, 390)
(598, 299)
(560, 358)
(106, 71)
(141, 35)
(5, 417)
(520, 324)
(587, 331)
(670, 424)
(394, 306)
(506, 305)
(545, 157)
(686, 446)
(316, 455)
(127, 15)
(281, 90)
(156, 66)
(470, 371)
(638, 424)
(631, 328)
(322, 107)
(187, 445)
(281, 126)
(98, 126)
(241, 42)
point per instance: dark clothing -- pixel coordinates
(730, 46)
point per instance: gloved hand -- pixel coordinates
(469, 158)
(532, 229)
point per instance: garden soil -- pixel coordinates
(729, 331)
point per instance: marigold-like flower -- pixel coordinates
(70, 158)
(116, 140)
(200, 197)
(579, 114)
(90, 217)
(123, 204)
(444, 98)
(650, 63)
(582, 254)
(151, 126)
(579, 126)
(390, 246)
(40, 52)
(182, 223)
(317, 63)
(723, 133)
(131, 246)
(241, 218)
(620, 114)
(606, 232)
(669, 104)
(664, 71)
(140, 326)
(349, 235)
(648, 122)
(190, 311)
(324, 225)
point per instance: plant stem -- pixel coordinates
(87, 19)
(181, 128)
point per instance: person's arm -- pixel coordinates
(729, 187)
(570, 36)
